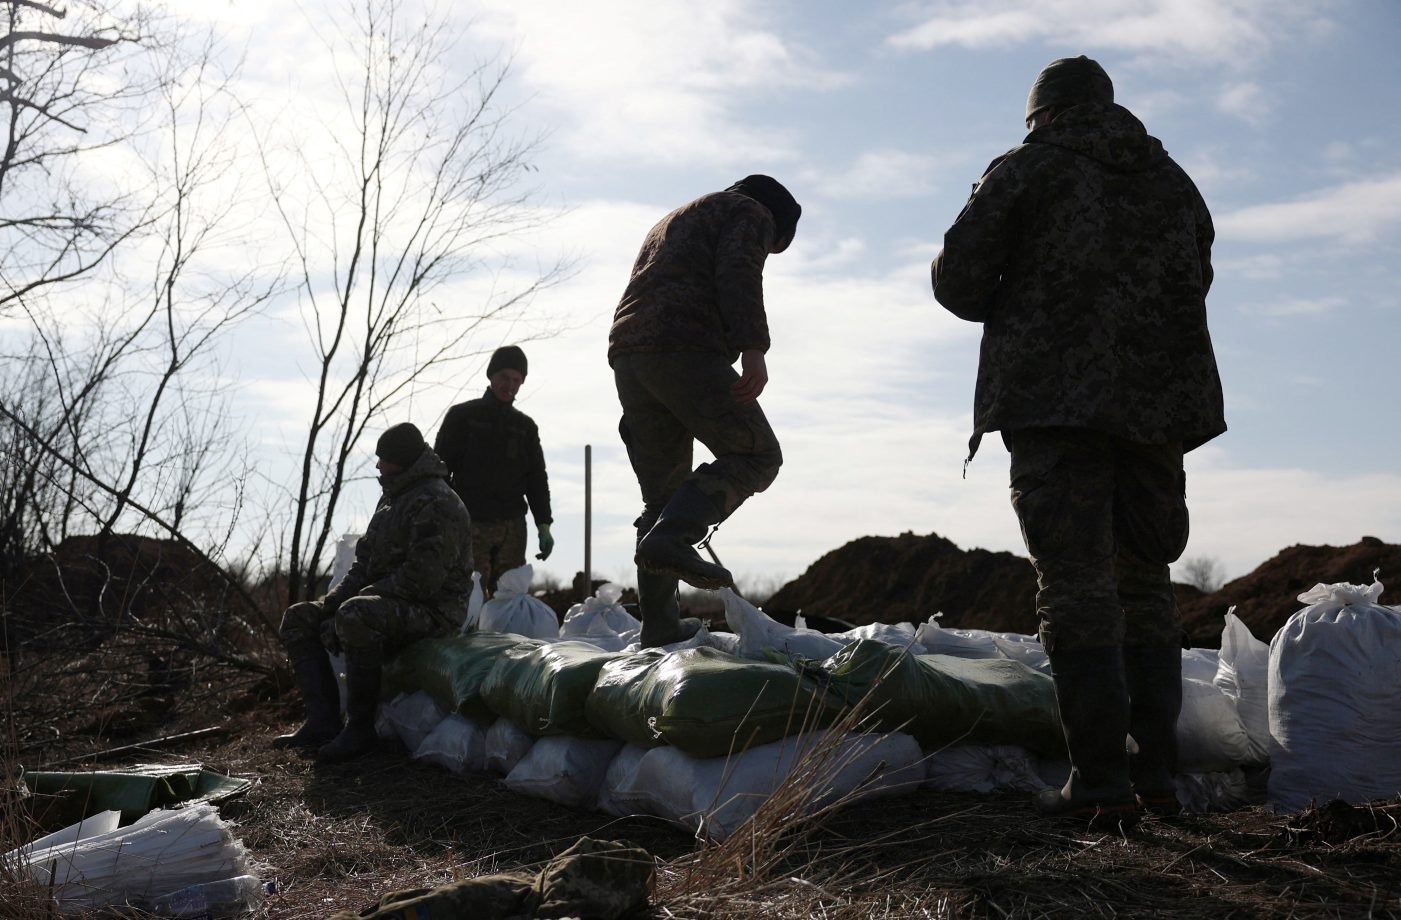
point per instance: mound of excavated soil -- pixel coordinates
(909, 578)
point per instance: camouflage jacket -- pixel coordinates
(697, 284)
(1086, 255)
(418, 545)
(494, 459)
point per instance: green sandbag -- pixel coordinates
(543, 689)
(702, 701)
(451, 670)
(941, 699)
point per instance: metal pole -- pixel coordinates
(588, 521)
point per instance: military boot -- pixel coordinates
(1094, 713)
(320, 696)
(1154, 675)
(358, 737)
(660, 611)
(669, 548)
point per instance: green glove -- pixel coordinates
(547, 543)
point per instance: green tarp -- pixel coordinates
(544, 689)
(451, 670)
(133, 791)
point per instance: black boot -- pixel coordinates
(669, 548)
(358, 737)
(1094, 712)
(660, 611)
(1154, 675)
(320, 695)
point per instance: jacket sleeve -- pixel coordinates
(451, 442)
(967, 271)
(426, 557)
(537, 483)
(740, 251)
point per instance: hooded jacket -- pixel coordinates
(492, 451)
(1085, 252)
(418, 545)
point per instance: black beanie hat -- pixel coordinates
(1069, 81)
(506, 356)
(770, 193)
(401, 445)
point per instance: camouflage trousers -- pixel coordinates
(674, 399)
(497, 546)
(1102, 518)
(370, 629)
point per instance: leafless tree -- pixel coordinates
(410, 183)
(1204, 573)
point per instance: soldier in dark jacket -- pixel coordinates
(693, 306)
(493, 453)
(411, 578)
(1085, 252)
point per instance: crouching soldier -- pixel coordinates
(411, 579)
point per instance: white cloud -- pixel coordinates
(1246, 101)
(1356, 212)
(1184, 31)
(885, 174)
(1295, 306)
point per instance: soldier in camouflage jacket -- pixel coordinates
(411, 578)
(1085, 252)
(693, 306)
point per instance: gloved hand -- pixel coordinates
(547, 543)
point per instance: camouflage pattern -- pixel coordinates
(697, 284)
(413, 563)
(494, 460)
(1103, 518)
(498, 546)
(1086, 255)
(596, 879)
(671, 400)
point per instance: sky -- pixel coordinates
(879, 116)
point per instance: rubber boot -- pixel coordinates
(320, 695)
(669, 548)
(1094, 712)
(662, 623)
(358, 737)
(1154, 675)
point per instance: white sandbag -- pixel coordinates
(602, 621)
(961, 643)
(456, 743)
(726, 642)
(475, 600)
(1200, 664)
(564, 769)
(1023, 648)
(901, 635)
(621, 773)
(714, 796)
(1201, 793)
(506, 744)
(758, 631)
(1210, 736)
(982, 768)
(410, 716)
(1335, 700)
(513, 610)
(1243, 673)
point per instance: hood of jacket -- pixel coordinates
(428, 466)
(1105, 132)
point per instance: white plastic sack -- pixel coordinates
(900, 635)
(475, 600)
(1023, 648)
(602, 621)
(1206, 792)
(714, 796)
(982, 768)
(456, 743)
(961, 643)
(1210, 736)
(758, 631)
(1243, 673)
(506, 744)
(621, 773)
(564, 769)
(410, 716)
(1335, 700)
(1201, 664)
(513, 610)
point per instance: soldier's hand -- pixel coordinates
(753, 376)
(547, 543)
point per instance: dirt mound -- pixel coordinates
(908, 578)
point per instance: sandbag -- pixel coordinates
(702, 701)
(512, 609)
(1335, 700)
(543, 689)
(409, 717)
(602, 621)
(564, 769)
(457, 744)
(620, 774)
(1210, 736)
(506, 744)
(451, 670)
(982, 768)
(942, 699)
(1243, 674)
(759, 633)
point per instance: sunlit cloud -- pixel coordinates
(1246, 101)
(1295, 306)
(1356, 212)
(885, 174)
